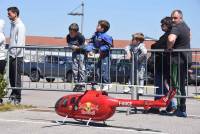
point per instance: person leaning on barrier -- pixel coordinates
(179, 38)
(2, 51)
(162, 65)
(101, 43)
(75, 41)
(17, 39)
(138, 51)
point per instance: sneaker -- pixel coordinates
(169, 110)
(11, 99)
(181, 114)
(77, 88)
(127, 90)
(82, 87)
(98, 89)
(1, 101)
(140, 91)
(17, 102)
(154, 111)
(106, 87)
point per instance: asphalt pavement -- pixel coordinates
(43, 119)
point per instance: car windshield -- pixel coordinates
(194, 71)
(58, 59)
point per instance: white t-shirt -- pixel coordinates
(17, 38)
(2, 41)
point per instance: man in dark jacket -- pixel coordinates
(76, 41)
(162, 64)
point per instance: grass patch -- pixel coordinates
(10, 107)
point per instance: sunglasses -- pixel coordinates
(174, 18)
(162, 25)
(9, 14)
(73, 30)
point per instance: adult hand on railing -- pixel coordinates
(74, 47)
(128, 55)
(91, 54)
(168, 50)
(190, 70)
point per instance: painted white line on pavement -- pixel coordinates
(103, 128)
(194, 116)
(24, 121)
(127, 130)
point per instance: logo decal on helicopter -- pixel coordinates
(88, 108)
(69, 108)
(121, 103)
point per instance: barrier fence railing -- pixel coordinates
(50, 69)
(163, 62)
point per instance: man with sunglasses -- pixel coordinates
(159, 62)
(76, 41)
(179, 38)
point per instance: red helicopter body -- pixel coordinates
(98, 106)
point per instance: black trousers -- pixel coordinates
(2, 66)
(15, 75)
(182, 69)
(2, 69)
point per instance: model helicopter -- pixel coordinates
(98, 106)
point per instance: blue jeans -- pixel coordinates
(162, 90)
(103, 69)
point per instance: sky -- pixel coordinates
(50, 17)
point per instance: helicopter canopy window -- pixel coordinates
(64, 104)
(73, 100)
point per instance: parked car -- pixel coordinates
(120, 70)
(61, 67)
(52, 67)
(194, 74)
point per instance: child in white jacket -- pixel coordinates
(138, 52)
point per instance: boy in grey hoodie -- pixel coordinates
(138, 51)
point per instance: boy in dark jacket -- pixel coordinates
(75, 41)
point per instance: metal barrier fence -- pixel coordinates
(187, 60)
(50, 69)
